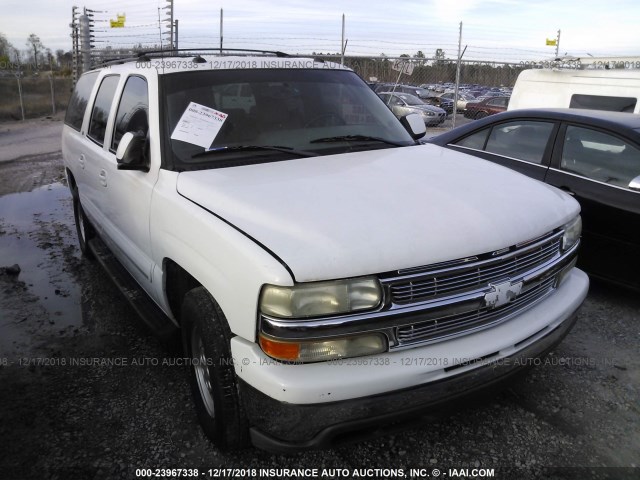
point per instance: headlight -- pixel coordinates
(428, 113)
(572, 232)
(320, 298)
(323, 350)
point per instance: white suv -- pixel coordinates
(328, 273)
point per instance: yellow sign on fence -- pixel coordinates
(553, 42)
(119, 22)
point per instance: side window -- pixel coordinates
(603, 102)
(101, 108)
(498, 102)
(524, 140)
(79, 100)
(600, 156)
(475, 140)
(133, 110)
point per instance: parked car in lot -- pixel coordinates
(488, 106)
(593, 155)
(328, 274)
(402, 104)
(463, 99)
(427, 96)
(444, 103)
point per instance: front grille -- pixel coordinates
(434, 283)
(470, 321)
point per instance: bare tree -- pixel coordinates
(34, 42)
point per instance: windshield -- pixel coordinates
(227, 117)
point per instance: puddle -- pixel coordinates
(37, 232)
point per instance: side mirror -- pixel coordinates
(414, 124)
(130, 153)
(635, 184)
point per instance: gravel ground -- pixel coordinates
(574, 416)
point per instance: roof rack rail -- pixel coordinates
(177, 51)
(181, 52)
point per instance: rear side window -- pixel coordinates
(79, 100)
(603, 102)
(524, 140)
(499, 102)
(600, 156)
(133, 110)
(476, 140)
(101, 108)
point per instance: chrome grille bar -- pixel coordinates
(427, 285)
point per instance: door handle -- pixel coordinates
(103, 177)
(81, 161)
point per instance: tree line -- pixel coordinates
(36, 56)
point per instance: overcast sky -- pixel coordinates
(502, 30)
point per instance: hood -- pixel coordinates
(377, 211)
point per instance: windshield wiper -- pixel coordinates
(248, 148)
(356, 138)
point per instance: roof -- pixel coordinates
(596, 117)
(620, 122)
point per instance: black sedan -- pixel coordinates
(593, 155)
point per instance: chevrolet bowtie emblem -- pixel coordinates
(501, 294)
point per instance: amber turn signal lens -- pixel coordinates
(280, 350)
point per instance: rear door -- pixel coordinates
(524, 145)
(126, 194)
(597, 167)
(74, 146)
(94, 152)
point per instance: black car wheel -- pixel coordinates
(84, 229)
(206, 337)
(480, 115)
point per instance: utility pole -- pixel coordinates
(342, 45)
(171, 37)
(220, 31)
(75, 46)
(558, 43)
(176, 33)
(455, 97)
(85, 40)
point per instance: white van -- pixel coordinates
(615, 90)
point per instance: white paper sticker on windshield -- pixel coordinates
(199, 125)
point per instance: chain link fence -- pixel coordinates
(432, 72)
(43, 94)
(32, 96)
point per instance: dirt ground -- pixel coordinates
(87, 393)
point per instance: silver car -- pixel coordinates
(402, 104)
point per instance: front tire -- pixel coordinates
(206, 337)
(84, 229)
(480, 115)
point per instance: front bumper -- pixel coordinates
(294, 407)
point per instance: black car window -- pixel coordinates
(475, 140)
(101, 108)
(498, 102)
(600, 156)
(524, 140)
(603, 102)
(79, 100)
(132, 115)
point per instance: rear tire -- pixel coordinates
(84, 229)
(206, 339)
(480, 115)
